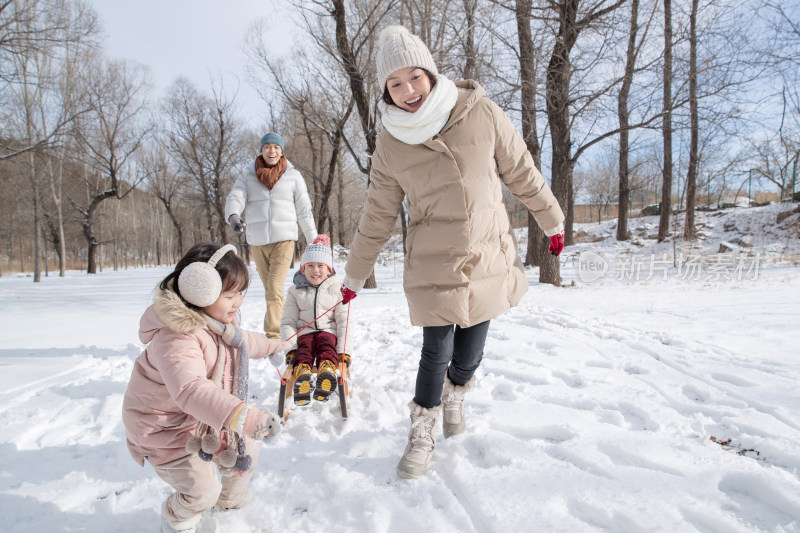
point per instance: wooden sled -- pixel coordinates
(287, 388)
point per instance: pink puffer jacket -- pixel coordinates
(170, 389)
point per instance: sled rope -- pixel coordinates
(346, 325)
(344, 352)
(320, 316)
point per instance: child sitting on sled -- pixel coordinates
(186, 407)
(313, 303)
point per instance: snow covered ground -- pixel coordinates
(641, 397)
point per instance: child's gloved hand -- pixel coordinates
(258, 423)
(276, 359)
(289, 357)
(346, 358)
(254, 422)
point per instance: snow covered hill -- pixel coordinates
(650, 393)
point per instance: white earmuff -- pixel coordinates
(200, 283)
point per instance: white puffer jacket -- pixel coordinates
(272, 216)
(304, 303)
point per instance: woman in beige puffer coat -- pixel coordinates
(446, 148)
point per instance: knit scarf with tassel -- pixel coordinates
(233, 337)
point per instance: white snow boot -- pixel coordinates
(184, 526)
(181, 526)
(453, 421)
(421, 441)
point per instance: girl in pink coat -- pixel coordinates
(185, 410)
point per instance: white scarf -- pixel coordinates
(428, 120)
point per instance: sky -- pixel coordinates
(630, 400)
(193, 38)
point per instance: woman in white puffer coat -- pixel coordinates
(276, 200)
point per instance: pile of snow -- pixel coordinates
(635, 401)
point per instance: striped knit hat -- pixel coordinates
(319, 251)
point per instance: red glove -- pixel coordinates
(347, 295)
(556, 243)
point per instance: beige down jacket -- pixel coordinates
(170, 389)
(461, 263)
(304, 303)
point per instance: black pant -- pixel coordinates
(452, 349)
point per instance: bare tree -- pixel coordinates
(559, 72)
(329, 22)
(537, 241)
(167, 184)
(623, 114)
(109, 136)
(35, 41)
(689, 231)
(632, 53)
(666, 181)
(777, 157)
(206, 139)
(471, 53)
(47, 43)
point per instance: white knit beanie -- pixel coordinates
(398, 48)
(319, 251)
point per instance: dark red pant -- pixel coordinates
(316, 348)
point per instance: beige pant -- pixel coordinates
(273, 262)
(198, 487)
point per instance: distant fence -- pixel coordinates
(585, 213)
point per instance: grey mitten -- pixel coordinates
(237, 223)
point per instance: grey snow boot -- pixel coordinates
(421, 441)
(453, 422)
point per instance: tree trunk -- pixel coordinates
(622, 113)
(356, 77)
(37, 219)
(558, 79)
(666, 179)
(527, 63)
(327, 186)
(470, 67)
(340, 204)
(359, 92)
(689, 231)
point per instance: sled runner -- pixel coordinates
(287, 387)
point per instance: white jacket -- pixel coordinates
(304, 303)
(272, 216)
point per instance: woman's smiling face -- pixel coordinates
(409, 87)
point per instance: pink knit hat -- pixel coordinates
(319, 251)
